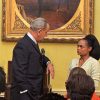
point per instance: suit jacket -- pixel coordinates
(27, 66)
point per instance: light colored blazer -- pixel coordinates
(92, 68)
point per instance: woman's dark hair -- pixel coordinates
(76, 70)
(93, 42)
(80, 87)
(2, 80)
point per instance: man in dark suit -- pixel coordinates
(28, 64)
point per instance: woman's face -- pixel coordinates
(83, 48)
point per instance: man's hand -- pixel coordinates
(50, 68)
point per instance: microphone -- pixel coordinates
(42, 51)
(43, 59)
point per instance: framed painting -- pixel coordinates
(69, 20)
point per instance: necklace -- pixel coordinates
(82, 61)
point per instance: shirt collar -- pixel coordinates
(31, 37)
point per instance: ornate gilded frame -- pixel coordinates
(81, 24)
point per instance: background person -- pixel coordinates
(74, 71)
(80, 87)
(79, 71)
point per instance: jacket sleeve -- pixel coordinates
(45, 59)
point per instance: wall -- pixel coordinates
(60, 53)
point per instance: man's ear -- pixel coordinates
(39, 30)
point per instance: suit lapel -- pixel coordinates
(36, 47)
(33, 44)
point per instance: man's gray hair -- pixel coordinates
(38, 23)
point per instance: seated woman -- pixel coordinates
(76, 70)
(80, 87)
(89, 50)
(79, 71)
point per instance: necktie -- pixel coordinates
(37, 46)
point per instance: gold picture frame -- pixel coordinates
(15, 25)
